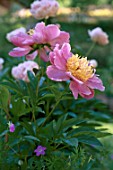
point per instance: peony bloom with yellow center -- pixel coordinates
(66, 66)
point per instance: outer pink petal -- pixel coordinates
(83, 89)
(88, 96)
(57, 75)
(32, 56)
(61, 39)
(18, 51)
(22, 39)
(52, 32)
(74, 88)
(95, 83)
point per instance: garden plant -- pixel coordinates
(49, 117)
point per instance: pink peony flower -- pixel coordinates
(44, 8)
(40, 41)
(11, 127)
(66, 66)
(20, 71)
(15, 32)
(40, 150)
(99, 36)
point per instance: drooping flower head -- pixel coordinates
(44, 8)
(40, 41)
(98, 36)
(40, 150)
(20, 71)
(11, 127)
(66, 66)
(15, 32)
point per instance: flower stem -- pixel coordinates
(51, 112)
(90, 49)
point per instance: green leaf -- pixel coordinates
(33, 79)
(28, 127)
(3, 133)
(71, 142)
(59, 124)
(72, 122)
(90, 140)
(18, 107)
(4, 97)
(32, 138)
(47, 131)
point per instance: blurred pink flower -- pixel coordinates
(11, 127)
(99, 36)
(66, 66)
(40, 41)
(44, 8)
(20, 71)
(15, 32)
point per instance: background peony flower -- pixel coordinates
(40, 41)
(93, 63)
(99, 36)
(40, 150)
(20, 71)
(1, 63)
(15, 32)
(44, 8)
(66, 66)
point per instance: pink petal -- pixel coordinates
(74, 89)
(66, 48)
(59, 61)
(57, 75)
(95, 83)
(19, 52)
(74, 78)
(52, 32)
(88, 96)
(22, 39)
(39, 34)
(83, 89)
(61, 39)
(32, 56)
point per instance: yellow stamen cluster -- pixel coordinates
(79, 68)
(31, 32)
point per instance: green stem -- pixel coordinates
(90, 49)
(33, 115)
(51, 112)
